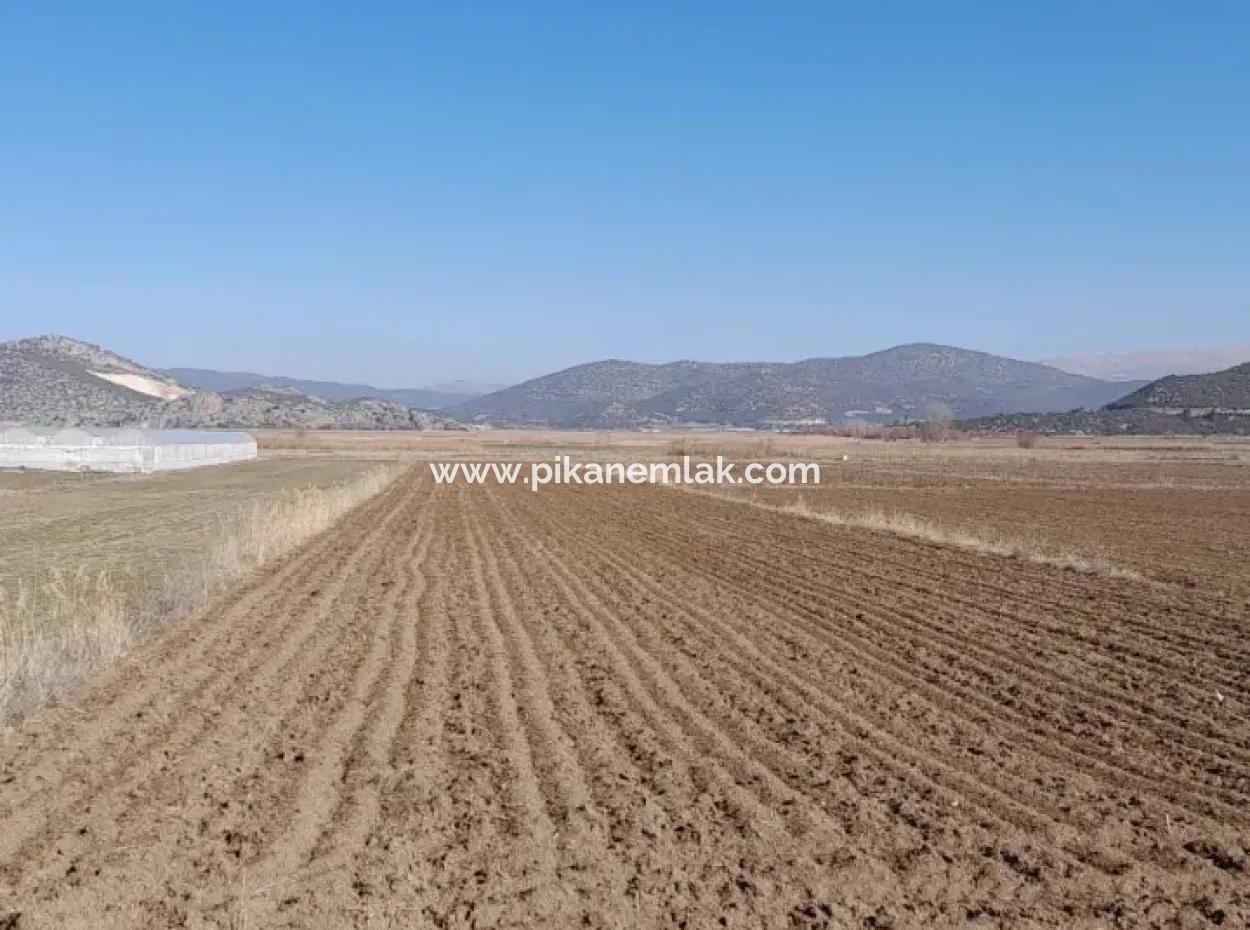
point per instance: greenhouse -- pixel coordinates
(120, 450)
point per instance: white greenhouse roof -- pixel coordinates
(124, 436)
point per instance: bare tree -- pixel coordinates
(937, 421)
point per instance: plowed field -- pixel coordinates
(482, 707)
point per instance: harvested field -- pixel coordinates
(477, 706)
(124, 523)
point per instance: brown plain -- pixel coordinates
(639, 707)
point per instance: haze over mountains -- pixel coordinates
(902, 383)
(54, 380)
(1150, 364)
(432, 398)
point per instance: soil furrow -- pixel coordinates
(156, 736)
(1217, 620)
(355, 745)
(945, 592)
(201, 653)
(850, 727)
(623, 708)
(872, 620)
(1057, 808)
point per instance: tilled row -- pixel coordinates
(1165, 831)
(476, 706)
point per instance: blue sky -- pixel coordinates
(409, 193)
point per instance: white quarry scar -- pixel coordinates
(144, 385)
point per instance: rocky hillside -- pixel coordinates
(273, 407)
(1225, 391)
(56, 381)
(207, 379)
(1177, 405)
(904, 383)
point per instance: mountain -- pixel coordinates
(432, 398)
(902, 383)
(276, 407)
(57, 381)
(1225, 391)
(608, 393)
(1189, 405)
(1152, 364)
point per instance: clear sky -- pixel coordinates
(414, 192)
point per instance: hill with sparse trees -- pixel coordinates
(58, 381)
(900, 384)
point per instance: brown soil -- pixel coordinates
(1185, 536)
(641, 708)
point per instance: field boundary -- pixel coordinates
(70, 627)
(911, 526)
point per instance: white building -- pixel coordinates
(120, 450)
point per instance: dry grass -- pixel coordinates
(738, 446)
(67, 626)
(985, 542)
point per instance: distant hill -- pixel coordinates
(1196, 405)
(58, 381)
(902, 383)
(1137, 421)
(433, 398)
(274, 407)
(1152, 364)
(1225, 391)
(598, 394)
